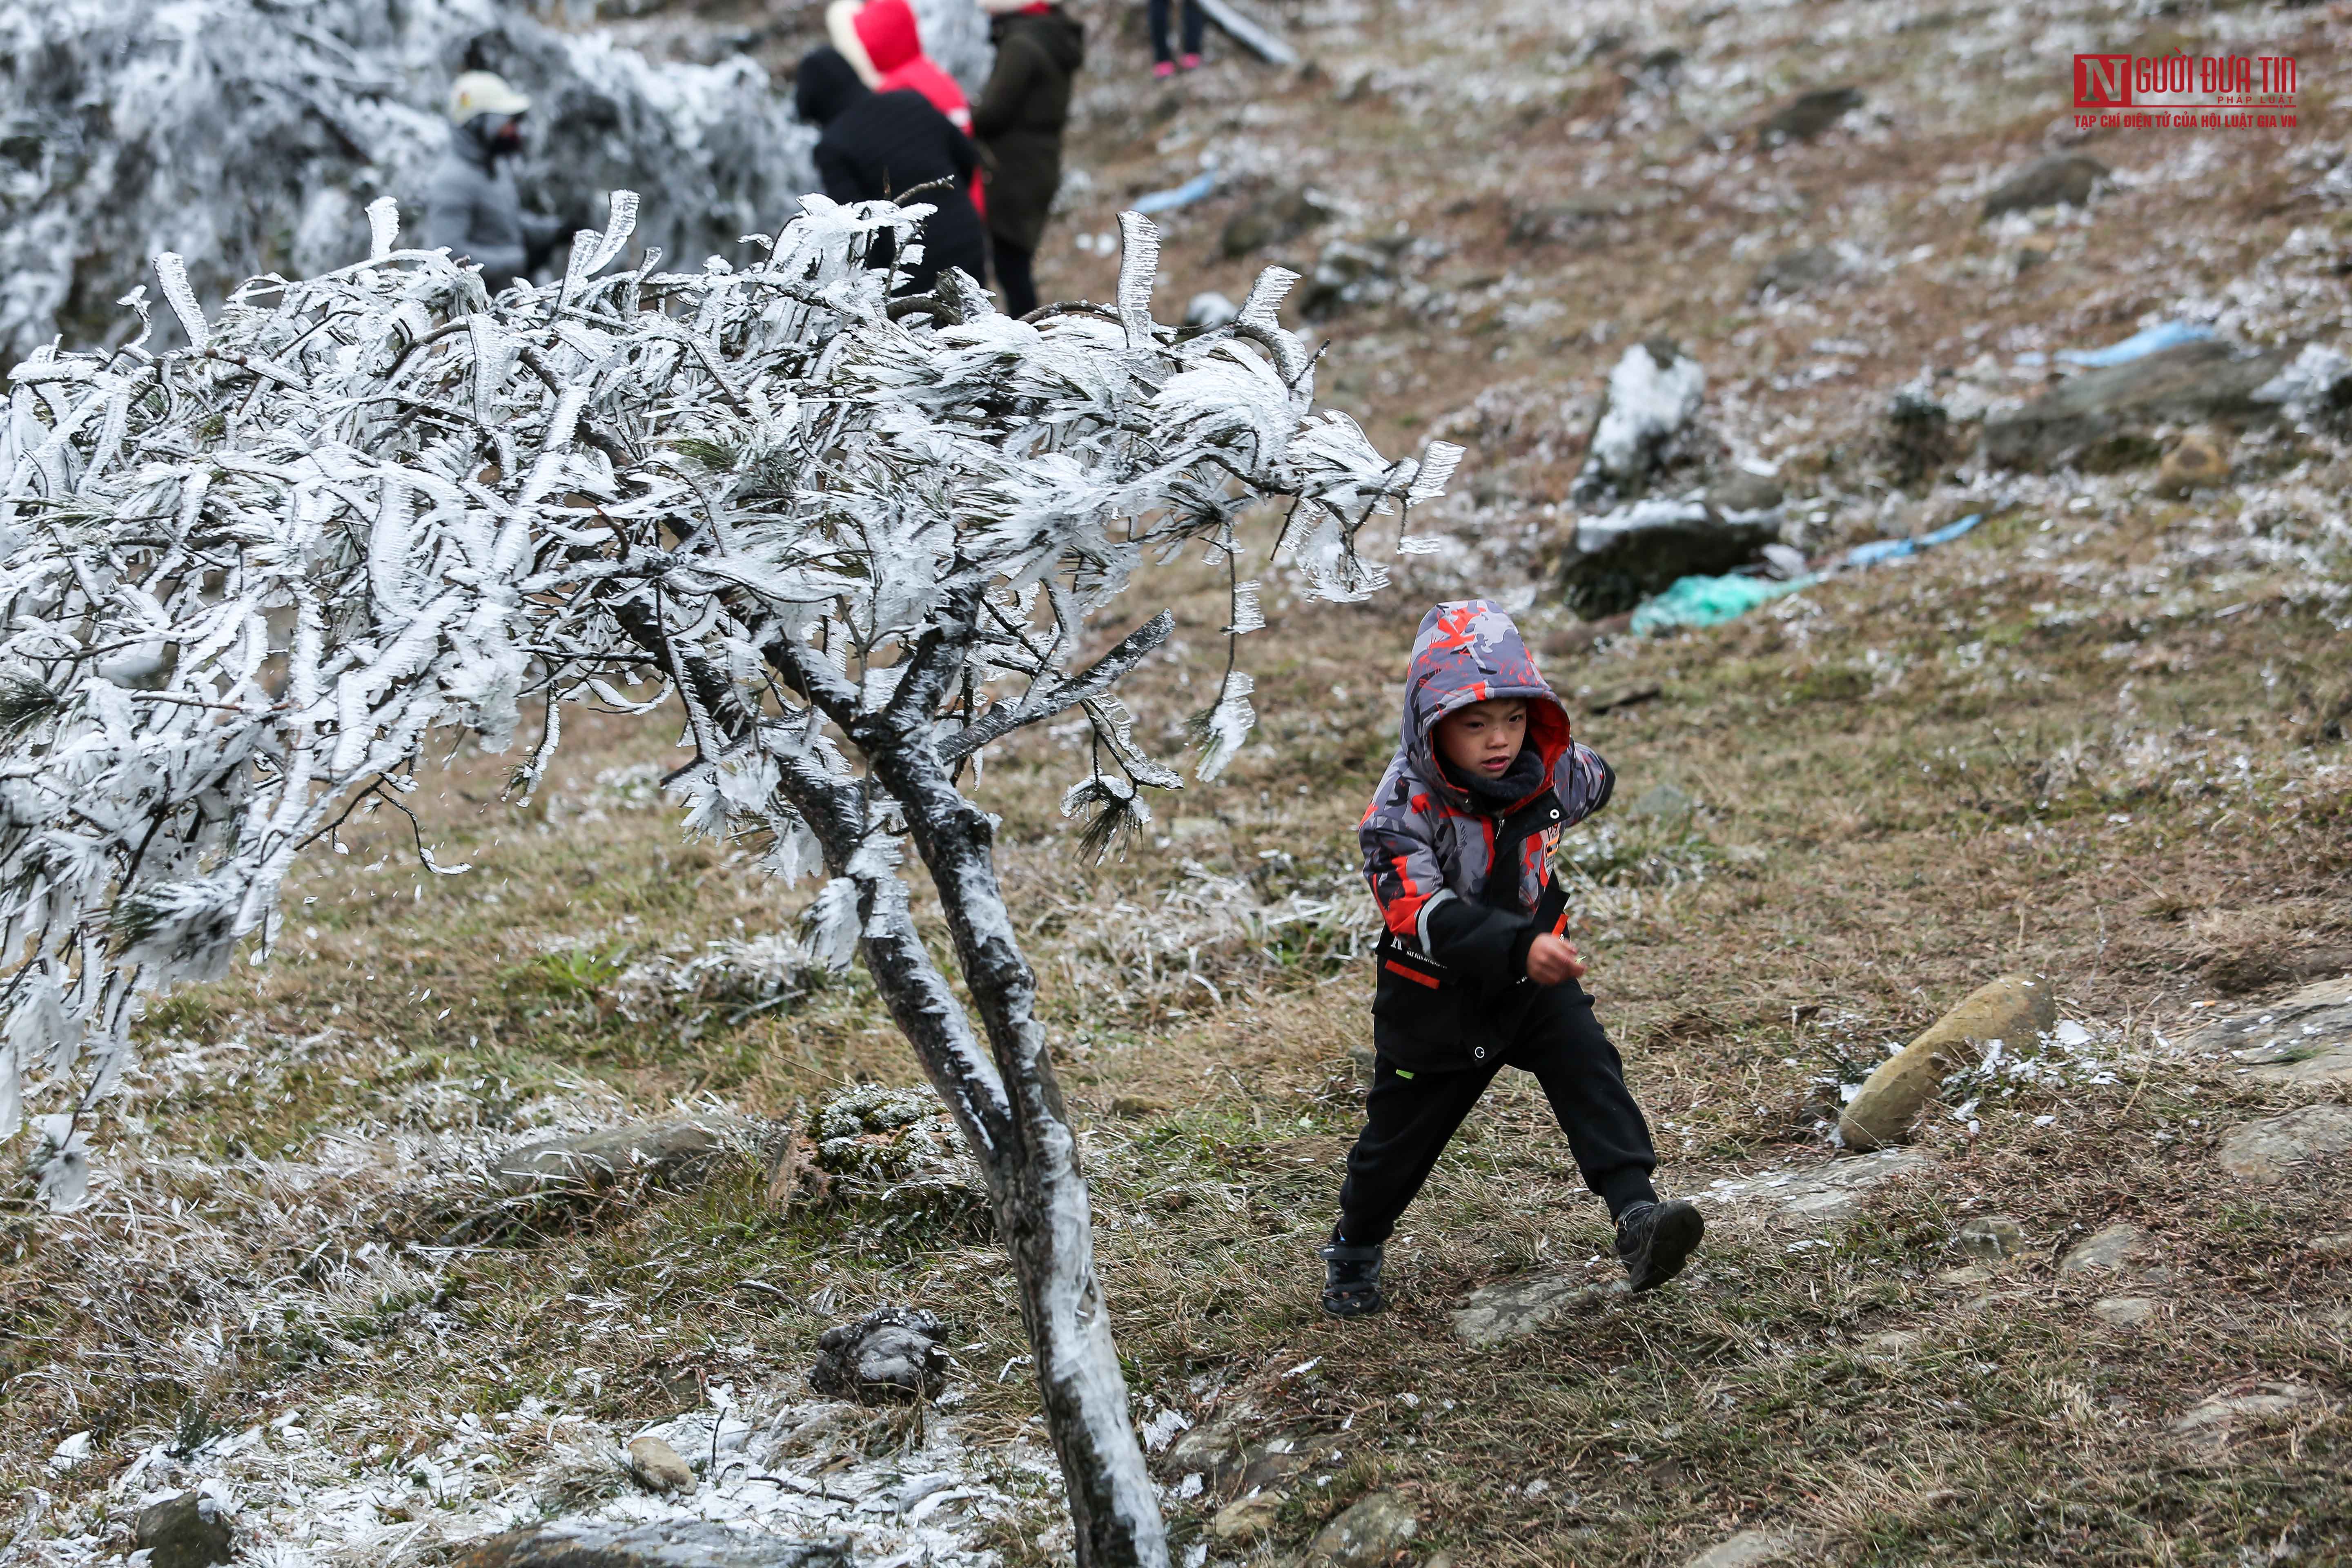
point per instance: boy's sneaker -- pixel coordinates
(1164, 69)
(1654, 1239)
(1190, 62)
(1352, 1278)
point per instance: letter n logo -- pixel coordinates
(2103, 81)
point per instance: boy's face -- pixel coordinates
(1481, 740)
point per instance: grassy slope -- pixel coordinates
(2023, 753)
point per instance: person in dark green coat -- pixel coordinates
(1018, 123)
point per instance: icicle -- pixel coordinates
(383, 227)
(1248, 617)
(1138, 269)
(1437, 466)
(173, 273)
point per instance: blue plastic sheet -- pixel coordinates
(1183, 196)
(1711, 601)
(2140, 345)
(1879, 550)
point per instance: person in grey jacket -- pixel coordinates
(472, 209)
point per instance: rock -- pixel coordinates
(1892, 1344)
(1827, 1192)
(1244, 1521)
(658, 1466)
(1746, 496)
(1797, 271)
(1514, 1308)
(1348, 274)
(1623, 697)
(2014, 1008)
(1961, 1277)
(2193, 461)
(1370, 1534)
(1664, 804)
(2336, 1247)
(189, 1530)
(2125, 1311)
(898, 1151)
(1918, 439)
(2269, 1151)
(1277, 218)
(590, 1161)
(2305, 1038)
(1808, 114)
(1623, 557)
(1992, 1235)
(1654, 393)
(889, 1353)
(2101, 417)
(2212, 1420)
(2110, 1249)
(1750, 1549)
(1583, 218)
(1210, 308)
(593, 1543)
(1137, 1107)
(2067, 178)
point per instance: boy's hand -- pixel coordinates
(1551, 961)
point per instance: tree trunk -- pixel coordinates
(1005, 1098)
(1042, 1208)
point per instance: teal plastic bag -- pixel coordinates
(1709, 601)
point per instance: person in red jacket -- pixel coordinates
(879, 38)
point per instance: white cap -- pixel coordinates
(483, 93)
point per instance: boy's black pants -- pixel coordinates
(1408, 1119)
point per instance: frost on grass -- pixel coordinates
(224, 132)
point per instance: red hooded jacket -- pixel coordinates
(886, 28)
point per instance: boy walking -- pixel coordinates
(1474, 974)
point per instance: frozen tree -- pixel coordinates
(856, 539)
(250, 136)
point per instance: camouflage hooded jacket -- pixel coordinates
(1458, 936)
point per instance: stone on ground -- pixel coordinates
(2214, 1419)
(659, 1467)
(2111, 1249)
(1826, 1192)
(2017, 1009)
(2067, 179)
(890, 1353)
(1623, 556)
(2126, 1311)
(1655, 394)
(2102, 419)
(1285, 215)
(1992, 1235)
(590, 1544)
(1514, 1308)
(1246, 1519)
(184, 1532)
(898, 1150)
(2273, 1150)
(2302, 1038)
(1750, 1549)
(1369, 1534)
(1808, 114)
(1797, 271)
(2192, 461)
(590, 1161)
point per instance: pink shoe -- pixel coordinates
(1191, 62)
(1164, 69)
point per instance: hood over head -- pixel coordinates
(825, 87)
(1467, 651)
(888, 29)
(1062, 36)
